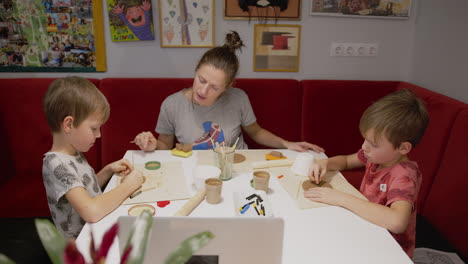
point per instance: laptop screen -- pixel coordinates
(236, 240)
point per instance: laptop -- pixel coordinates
(237, 240)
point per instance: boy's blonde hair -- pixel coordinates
(73, 96)
(400, 116)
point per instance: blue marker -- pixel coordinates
(247, 206)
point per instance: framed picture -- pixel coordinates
(276, 47)
(130, 20)
(186, 24)
(263, 10)
(54, 36)
(362, 8)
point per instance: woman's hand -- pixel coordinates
(303, 146)
(123, 166)
(146, 141)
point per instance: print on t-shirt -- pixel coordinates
(213, 132)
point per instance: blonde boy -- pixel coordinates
(75, 110)
(391, 127)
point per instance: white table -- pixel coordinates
(320, 235)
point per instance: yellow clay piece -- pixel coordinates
(270, 157)
(181, 153)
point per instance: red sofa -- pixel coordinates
(324, 112)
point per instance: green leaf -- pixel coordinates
(190, 245)
(52, 240)
(5, 260)
(138, 237)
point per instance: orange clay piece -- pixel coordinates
(270, 157)
(281, 176)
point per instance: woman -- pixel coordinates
(212, 111)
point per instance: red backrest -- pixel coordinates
(331, 111)
(446, 203)
(24, 135)
(135, 105)
(429, 152)
(277, 106)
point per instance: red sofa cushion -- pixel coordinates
(429, 152)
(25, 137)
(135, 105)
(446, 203)
(277, 106)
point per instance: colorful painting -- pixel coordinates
(186, 23)
(130, 20)
(277, 47)
(262, 10)
(362, 8)
(51, 35)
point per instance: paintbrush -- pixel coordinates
(212, 143)
(142, 190)
(235, 144)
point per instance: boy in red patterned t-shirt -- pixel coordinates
(391, 127)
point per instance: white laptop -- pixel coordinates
(237, 240)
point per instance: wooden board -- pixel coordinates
(169, 181)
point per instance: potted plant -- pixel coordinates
(61, 251)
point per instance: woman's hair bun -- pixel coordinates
(233, 41)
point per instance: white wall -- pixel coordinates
(440, 61)
(147, 59)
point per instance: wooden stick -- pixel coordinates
(191, 204)
(149, 188)
(235, 143)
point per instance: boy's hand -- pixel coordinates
(123, 166)
(318, 170)
(303, 146)
(135, 179)
(325, 195)
(146, 141)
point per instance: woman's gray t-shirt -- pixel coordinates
(195, 124)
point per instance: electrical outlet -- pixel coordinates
(373, 49)
(354, 49)
(337, 49)
(350, 49)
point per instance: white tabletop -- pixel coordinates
(320, 235)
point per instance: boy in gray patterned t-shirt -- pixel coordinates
(75, 110)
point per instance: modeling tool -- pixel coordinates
(135, 194)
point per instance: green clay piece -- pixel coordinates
(152, 165)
